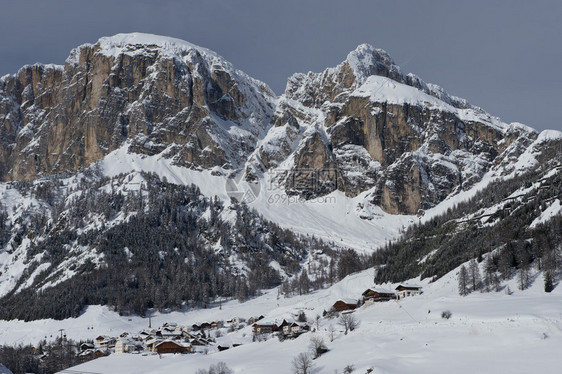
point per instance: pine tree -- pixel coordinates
(474, 275)
(524, 272)
(463, 281)
(548, 282)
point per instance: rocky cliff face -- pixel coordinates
(159, 95)
(367, 127)
(361, 127)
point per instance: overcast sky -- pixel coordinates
(504, 56)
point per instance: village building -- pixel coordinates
(168, 333)
(85, 346)
(125, 345)
(345, 304)
(105, 342)
(378, 294)
(406, 290)
(264, 328)
(93, 353)
(171, 346)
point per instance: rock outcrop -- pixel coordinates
(408, 143)
(160, 95)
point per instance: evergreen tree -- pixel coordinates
(463, 281)
(548, 282)
(474, 275)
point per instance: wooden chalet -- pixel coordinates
(406, 290)
(284, 327)
(85, 346)
(345, 304)
(264, 328)
(92, 353)
(171, 346)
(378, 294)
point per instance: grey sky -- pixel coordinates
(504, 56)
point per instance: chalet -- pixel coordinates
(234, 321)
(199, 342)
(284, 327)
(405, 290)
(92, 353)
(264, 328)
(378, 294)
(167, 333)
(101, 338)
(85, 346)
(122, 346)
(345, 304)
(170, 346)
(151, 342)
(106, 343)
(252, 320)
(295, 328)
(145, 335)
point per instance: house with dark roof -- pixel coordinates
(378, 294)
(345, 304)
(406, 290)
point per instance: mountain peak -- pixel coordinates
(136, 43)
(125, 41)
(367, 60)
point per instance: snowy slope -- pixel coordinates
(515, 333)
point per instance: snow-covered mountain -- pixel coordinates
(104, 150)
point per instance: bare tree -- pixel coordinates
(348, 322)
(317, 346)
(218, 368)
(302, 364)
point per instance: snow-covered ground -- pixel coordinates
(487, 333)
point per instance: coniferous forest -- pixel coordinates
(164, 246)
